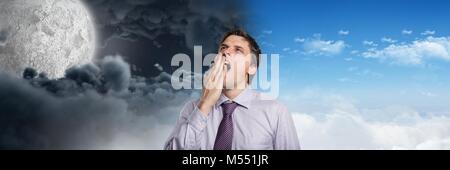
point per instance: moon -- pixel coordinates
(47, 35)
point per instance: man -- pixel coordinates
(230, 115)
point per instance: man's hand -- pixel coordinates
(213, 85)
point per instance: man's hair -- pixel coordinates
(254, 47)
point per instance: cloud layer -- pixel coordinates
(414, 53)
(97, 106)
(103, 106)
(317, 46)
(332, 121)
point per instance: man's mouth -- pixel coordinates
(228, 66)
(227, 62)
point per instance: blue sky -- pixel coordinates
(379, 53)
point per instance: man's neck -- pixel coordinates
(233, 93)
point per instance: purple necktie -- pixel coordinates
(224, 136)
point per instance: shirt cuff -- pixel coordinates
(197, 119)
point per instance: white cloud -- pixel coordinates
(353, 68)
(299, 40)
(369, 43)
(428, 32)
(346, 131)
(267, 44)
(435, 144)
(427, 93)
(158, 66)
(267, 32)
(364, 72)
(346, 80)
(329, 121)
(368, 72)
(323, 47)
(388, 40)
(407, 32)
(413, 53)
(343, 32)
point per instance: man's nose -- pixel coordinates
(228, 51)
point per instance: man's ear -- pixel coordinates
(252, 69)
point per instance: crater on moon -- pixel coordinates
(48, 35)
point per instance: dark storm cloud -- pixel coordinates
(137, 28)
(112, 104)
(95, 106)
(116, 74)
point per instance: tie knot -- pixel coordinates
(228, 108)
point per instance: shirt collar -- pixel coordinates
(243, 99)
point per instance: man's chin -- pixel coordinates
(228, 87)
(233, 87)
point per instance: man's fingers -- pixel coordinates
(217, 67)
(207, 76)
(220, 62)
(222, 65)
(221, 77)
(210, 84)
(210, 74)
(216, 62)
(214, 76)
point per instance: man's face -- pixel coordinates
(239, 58)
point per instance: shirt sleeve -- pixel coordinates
(189, 129)
(286, 134)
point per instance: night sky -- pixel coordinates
(123, 99)
(149, 32)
